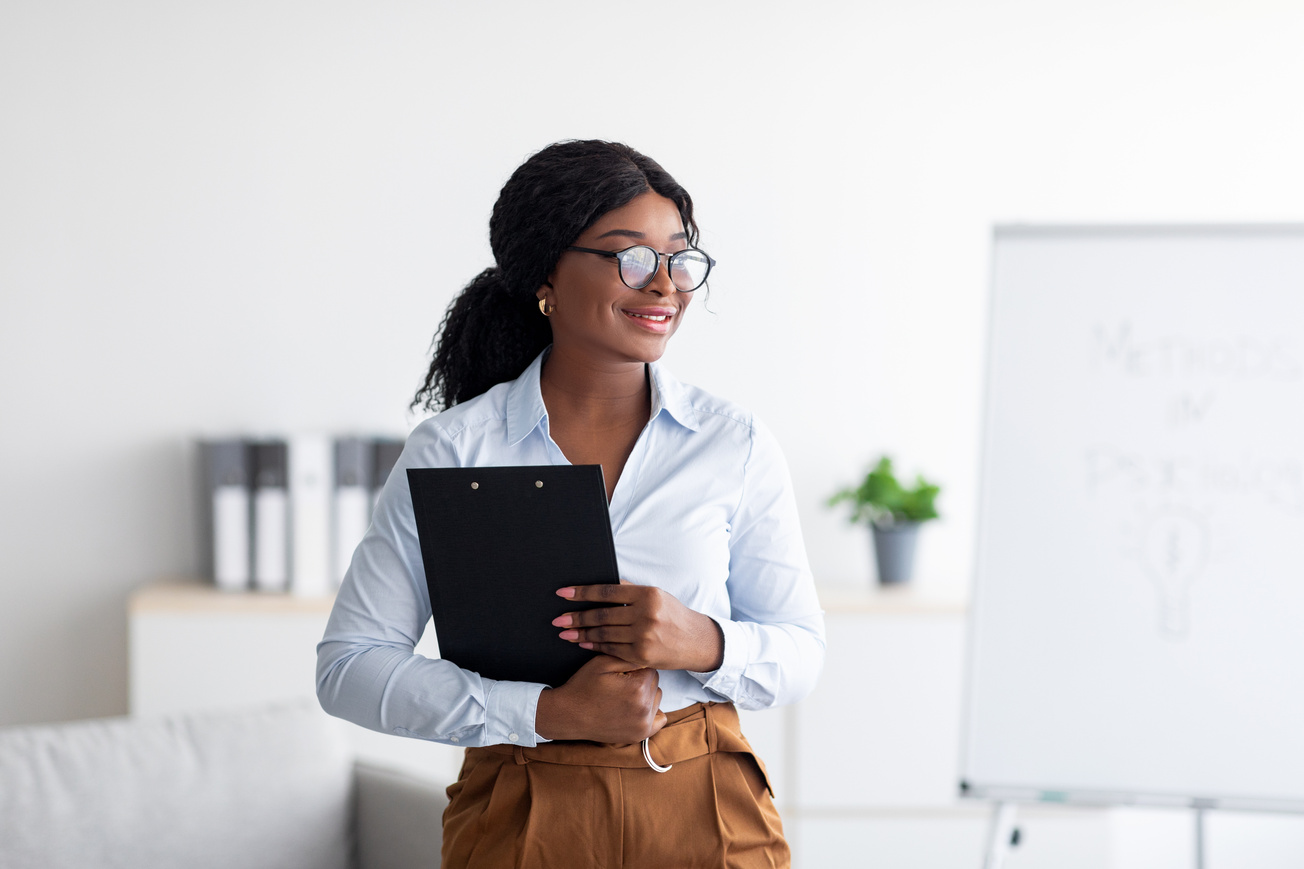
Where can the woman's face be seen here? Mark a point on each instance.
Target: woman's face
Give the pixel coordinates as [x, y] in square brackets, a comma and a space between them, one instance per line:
[595, 313]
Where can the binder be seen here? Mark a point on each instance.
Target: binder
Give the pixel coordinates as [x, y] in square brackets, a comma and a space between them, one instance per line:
[496, 544]
[312, 486]
[271, 513]
[385, 453]
[353, 465]
[225, 511]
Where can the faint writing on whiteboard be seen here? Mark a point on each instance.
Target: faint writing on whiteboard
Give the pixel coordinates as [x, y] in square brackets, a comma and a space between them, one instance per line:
[1172, 546]
[1277, 483]
[1117, 348]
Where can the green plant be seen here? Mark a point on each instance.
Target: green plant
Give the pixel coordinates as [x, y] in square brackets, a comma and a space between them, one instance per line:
[882, 500]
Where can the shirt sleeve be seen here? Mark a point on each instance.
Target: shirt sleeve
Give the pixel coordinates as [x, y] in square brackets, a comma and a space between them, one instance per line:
[774, 637]
[367, 671]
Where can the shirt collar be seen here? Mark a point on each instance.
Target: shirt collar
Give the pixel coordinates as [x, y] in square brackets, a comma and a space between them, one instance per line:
[668, 394]
[525, 409]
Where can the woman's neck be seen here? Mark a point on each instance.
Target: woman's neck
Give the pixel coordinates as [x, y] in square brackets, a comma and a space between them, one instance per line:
[595, 394]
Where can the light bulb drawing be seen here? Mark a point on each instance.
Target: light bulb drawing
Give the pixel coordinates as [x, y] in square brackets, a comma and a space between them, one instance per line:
[1174, 552]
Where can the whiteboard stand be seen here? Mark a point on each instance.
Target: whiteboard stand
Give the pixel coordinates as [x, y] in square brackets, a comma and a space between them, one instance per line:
[1200, 839]
[1002, 835]
[1199, 836]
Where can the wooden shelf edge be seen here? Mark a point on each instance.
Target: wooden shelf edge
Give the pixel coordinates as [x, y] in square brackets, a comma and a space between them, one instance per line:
[889, 600]
[196, 596]
[192, 596]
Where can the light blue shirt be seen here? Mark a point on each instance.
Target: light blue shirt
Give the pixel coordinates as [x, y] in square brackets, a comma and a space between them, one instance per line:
[703, 509]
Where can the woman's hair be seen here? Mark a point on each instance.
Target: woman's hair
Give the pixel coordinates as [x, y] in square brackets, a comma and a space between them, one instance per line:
[493, 330]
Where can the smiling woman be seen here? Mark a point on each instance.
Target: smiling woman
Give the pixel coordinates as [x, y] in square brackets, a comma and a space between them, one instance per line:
[552, 357]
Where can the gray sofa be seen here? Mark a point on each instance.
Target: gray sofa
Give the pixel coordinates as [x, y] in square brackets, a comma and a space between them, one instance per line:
[273, 787]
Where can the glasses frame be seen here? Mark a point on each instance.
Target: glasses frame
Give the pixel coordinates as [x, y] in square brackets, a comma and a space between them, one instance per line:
[669, 258]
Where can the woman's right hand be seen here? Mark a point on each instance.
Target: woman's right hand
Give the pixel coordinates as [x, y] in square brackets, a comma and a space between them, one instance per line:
[607, 700]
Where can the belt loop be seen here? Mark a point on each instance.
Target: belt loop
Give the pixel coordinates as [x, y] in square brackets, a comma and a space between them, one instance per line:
[712, 738]
[519, 754]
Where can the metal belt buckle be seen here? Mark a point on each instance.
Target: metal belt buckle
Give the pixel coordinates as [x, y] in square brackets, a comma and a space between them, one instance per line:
[647, 755]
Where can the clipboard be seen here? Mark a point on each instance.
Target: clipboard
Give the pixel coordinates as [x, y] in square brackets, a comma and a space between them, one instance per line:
[496, 544]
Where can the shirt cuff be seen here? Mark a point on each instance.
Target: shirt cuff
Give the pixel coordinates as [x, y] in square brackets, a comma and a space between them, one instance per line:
[509, 713]
[726, 678]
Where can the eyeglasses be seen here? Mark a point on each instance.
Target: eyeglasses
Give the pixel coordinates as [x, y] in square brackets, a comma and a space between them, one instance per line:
[638, 266]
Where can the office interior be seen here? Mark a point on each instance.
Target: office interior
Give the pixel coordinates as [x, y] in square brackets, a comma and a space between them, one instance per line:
[250, 218]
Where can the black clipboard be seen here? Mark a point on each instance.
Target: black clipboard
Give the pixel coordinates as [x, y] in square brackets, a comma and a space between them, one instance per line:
[496, 544]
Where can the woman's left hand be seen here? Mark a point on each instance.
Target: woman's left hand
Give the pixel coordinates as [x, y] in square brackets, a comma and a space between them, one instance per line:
[644, 625]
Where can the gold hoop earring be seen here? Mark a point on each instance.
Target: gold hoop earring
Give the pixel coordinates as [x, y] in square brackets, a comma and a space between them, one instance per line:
[544, 309]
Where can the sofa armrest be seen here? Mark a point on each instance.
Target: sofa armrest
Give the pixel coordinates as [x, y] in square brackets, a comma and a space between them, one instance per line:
[398, 818]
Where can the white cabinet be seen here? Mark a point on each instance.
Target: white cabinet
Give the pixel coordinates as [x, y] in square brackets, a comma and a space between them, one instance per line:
[882, 727]
[193, 647]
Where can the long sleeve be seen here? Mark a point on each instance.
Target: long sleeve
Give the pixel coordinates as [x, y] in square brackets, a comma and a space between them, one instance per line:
[367, 671]
[774, 637]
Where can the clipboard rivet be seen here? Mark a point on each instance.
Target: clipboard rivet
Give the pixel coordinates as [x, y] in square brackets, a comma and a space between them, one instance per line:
[538, 484]
[475, 485]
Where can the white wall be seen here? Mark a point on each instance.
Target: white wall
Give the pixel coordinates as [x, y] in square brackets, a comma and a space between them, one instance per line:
[235, 216]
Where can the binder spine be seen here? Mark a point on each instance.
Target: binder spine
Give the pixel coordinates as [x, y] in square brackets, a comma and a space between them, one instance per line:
[385, 453]
[271, 517]
[226, 468]
[353, 499]
[311, 484]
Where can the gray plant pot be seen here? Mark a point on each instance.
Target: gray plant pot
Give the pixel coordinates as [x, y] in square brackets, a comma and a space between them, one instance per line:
[894, 551]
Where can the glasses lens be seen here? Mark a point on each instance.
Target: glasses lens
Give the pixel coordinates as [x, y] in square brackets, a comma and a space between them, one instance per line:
[689, 268]
[637, 266]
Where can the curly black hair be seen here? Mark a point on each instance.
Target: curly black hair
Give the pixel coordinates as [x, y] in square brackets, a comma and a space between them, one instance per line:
[493, 330]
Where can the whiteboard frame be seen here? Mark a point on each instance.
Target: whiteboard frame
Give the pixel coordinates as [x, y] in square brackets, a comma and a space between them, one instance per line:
[1049, 793]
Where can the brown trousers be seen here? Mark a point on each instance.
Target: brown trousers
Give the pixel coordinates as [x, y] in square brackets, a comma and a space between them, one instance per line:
[583, 805]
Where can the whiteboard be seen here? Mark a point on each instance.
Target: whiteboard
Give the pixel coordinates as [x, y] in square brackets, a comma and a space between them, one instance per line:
[1137, 628]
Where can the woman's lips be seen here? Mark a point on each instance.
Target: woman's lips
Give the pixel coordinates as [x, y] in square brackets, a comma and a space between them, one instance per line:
[653, 319]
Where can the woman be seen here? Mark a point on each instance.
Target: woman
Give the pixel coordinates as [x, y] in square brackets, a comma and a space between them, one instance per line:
[547, 358]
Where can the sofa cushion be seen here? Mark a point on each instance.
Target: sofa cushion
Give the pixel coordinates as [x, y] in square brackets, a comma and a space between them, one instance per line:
[270, 787]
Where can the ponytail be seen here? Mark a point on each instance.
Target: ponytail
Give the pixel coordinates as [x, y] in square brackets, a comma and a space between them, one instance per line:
[488, 336]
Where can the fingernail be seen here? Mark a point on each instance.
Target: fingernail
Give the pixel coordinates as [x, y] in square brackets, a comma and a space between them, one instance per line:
[562, 621]
[566, 592]
[570, 635]
[586, 645]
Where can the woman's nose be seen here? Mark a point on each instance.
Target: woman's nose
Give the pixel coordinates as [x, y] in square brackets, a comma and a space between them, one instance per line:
[661, 284]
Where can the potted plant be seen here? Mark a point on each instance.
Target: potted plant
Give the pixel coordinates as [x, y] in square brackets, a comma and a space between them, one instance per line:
[894, 513]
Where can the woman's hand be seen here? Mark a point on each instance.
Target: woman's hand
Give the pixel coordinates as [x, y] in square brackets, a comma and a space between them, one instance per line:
[644, 626]
[607, 700]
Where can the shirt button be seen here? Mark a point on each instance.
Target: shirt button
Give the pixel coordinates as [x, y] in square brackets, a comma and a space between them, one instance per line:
[454, 739]
[513, 737]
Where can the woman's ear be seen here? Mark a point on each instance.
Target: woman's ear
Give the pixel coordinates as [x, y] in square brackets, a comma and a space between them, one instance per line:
[546, 290]
[545, 306]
